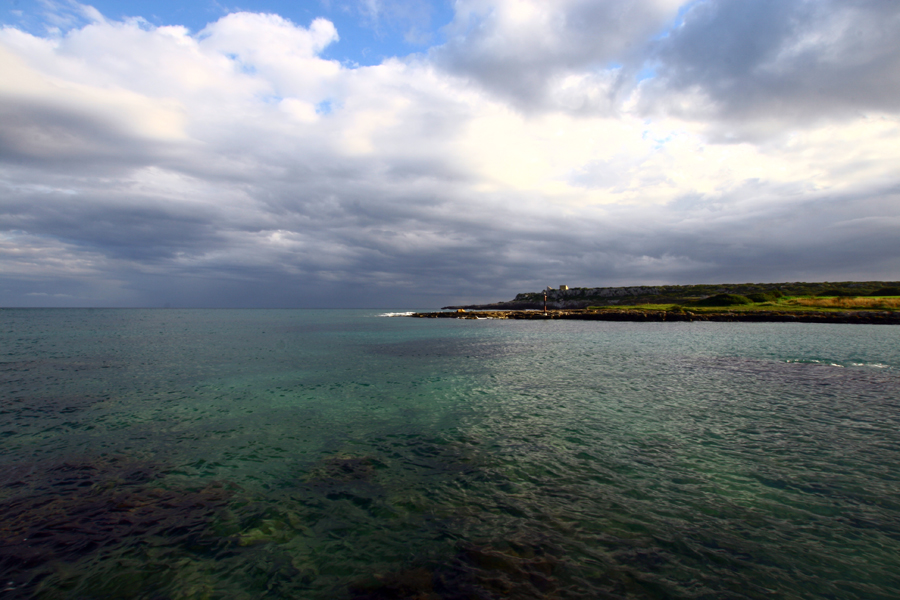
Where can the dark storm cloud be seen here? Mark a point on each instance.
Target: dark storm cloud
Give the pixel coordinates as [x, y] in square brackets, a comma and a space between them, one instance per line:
[782, 60]
[350, 256]
[145, 231]
[767, 60]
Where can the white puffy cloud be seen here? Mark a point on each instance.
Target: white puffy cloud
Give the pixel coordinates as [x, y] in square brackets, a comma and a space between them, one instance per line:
[144, 165]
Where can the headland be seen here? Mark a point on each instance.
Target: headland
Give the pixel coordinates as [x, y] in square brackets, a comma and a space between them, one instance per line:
[861, 317]
[870, 302]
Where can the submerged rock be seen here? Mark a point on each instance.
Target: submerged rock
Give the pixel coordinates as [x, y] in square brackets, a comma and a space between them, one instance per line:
[481, 572]
[60, 514]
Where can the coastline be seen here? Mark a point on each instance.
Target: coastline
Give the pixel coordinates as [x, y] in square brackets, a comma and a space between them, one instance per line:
[857, 317]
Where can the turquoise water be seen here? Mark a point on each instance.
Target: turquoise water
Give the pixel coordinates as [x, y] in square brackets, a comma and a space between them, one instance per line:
[343, 454]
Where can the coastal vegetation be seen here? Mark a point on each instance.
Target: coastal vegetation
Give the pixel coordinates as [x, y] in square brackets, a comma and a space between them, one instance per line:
[849, 295]
[725, 300]
[766, 296]
[786, 303]
[844, 303]
[887, 291]
[847, 302]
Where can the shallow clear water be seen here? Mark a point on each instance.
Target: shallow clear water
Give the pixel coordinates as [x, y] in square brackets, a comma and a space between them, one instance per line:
[340, 454]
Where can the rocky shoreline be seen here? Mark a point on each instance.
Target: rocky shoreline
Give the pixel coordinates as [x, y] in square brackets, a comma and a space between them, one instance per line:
[860, 317]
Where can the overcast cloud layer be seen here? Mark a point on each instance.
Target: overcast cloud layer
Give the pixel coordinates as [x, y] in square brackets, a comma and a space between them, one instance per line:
[580, 142]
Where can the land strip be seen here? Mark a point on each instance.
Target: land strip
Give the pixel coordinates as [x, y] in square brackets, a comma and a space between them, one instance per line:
[581, 297]
[861, 317]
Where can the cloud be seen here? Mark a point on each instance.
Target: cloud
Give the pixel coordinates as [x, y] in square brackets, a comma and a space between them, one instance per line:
[45, 118]
[778, 62]
[562, 54]
[412, 17]
[144, 165]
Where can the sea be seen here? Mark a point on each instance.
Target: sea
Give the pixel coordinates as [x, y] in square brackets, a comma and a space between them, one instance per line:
[362, 454]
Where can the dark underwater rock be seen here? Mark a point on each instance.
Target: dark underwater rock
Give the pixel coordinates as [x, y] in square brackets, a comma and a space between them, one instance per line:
[61, 513]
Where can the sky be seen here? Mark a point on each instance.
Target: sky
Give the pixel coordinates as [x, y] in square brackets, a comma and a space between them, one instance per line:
[405, 153]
